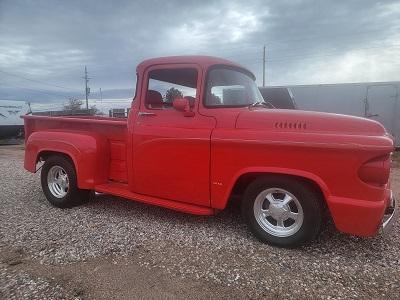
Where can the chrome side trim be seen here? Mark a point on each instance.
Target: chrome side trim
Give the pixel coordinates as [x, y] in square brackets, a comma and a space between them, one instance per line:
[145, 113]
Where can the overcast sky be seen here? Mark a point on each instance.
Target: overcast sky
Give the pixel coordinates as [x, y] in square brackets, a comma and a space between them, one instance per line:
[307, 41]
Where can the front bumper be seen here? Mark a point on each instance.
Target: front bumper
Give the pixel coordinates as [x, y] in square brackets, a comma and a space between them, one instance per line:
[391, 214]
[363, 217]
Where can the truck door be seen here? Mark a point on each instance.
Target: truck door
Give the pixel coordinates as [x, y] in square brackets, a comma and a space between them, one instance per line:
[171, 151]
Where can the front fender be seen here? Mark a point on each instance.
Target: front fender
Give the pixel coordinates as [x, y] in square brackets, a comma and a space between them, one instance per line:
[223, 194]
[87, 150]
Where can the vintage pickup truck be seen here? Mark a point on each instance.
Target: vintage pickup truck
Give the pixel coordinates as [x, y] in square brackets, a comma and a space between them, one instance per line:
[199, 132]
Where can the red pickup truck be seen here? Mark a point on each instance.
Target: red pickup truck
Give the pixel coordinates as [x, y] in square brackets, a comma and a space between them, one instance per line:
[199, 132]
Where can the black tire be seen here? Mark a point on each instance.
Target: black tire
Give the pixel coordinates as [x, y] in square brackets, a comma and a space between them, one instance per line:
[309, 199]
[74, 196]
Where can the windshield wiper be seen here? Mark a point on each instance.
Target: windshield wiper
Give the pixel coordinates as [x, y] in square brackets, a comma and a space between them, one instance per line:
[262, 103]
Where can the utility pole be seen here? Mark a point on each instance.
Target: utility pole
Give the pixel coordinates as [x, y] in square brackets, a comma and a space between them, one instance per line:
[101, 100]
[264, 66]
[87, 89]
[30, 109]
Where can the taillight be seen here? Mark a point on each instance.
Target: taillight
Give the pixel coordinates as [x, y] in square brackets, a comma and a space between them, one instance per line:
[376, 171]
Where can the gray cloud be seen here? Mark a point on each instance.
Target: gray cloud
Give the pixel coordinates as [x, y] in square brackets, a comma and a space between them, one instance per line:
[307, 41]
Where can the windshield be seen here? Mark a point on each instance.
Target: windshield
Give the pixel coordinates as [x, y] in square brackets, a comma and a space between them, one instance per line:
[231, 88]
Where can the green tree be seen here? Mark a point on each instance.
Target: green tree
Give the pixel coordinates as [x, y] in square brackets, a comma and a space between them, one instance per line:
[73, 104]
[95, 110]
[171, 94]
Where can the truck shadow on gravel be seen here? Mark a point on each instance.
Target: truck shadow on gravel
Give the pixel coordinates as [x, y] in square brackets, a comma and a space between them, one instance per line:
[159, 239]
[230, 220]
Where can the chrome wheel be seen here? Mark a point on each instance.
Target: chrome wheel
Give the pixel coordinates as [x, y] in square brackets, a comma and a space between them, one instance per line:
[278, 212]
[58, 181]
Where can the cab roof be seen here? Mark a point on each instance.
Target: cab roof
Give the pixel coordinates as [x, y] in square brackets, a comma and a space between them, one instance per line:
[203, 61]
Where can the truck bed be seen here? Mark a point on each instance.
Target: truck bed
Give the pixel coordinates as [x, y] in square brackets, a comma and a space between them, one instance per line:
[111, 131]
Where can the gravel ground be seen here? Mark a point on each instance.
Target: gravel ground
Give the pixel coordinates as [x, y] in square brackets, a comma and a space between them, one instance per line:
[111, 247]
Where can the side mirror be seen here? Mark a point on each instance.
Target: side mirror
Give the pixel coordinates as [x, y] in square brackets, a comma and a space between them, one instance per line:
[183, 104]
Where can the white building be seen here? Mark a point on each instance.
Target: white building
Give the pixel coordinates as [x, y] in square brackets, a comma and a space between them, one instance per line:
[375, 100]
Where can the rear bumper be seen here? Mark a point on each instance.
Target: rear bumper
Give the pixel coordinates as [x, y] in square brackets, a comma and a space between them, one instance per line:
[364, 218]
[391, 215]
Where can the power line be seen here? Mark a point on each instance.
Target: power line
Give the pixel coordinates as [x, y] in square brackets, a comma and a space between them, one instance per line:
[272, 42]
[283, 57]
[348, 46]
[331, 53]
[324, 35]
[264, 66]
[36, 90]
[37, 81]
[325, 54]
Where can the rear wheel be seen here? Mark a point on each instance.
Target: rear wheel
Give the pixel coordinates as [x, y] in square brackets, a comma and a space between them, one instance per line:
[282, 211]
[59, 183]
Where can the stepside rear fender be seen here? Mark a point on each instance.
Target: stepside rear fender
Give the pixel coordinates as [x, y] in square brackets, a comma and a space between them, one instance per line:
[88, 151]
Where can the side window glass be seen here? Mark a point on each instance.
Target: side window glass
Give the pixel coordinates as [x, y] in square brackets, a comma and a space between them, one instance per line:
[165, 85]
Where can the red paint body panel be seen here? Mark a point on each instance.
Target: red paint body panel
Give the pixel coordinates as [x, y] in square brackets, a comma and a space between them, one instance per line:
[118, 166]
[122, 190]
[85, 140]
[191, 164]
[171, 153]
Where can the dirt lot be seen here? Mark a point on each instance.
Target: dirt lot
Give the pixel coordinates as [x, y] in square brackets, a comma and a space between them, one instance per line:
[113, 248]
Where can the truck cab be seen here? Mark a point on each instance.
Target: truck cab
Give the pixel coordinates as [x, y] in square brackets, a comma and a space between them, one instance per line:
[199, 131]
[172, 119]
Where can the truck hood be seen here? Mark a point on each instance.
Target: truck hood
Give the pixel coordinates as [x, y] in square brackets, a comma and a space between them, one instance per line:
[307, 121]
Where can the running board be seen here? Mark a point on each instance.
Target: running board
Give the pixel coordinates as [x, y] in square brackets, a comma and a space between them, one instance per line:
[122, 190]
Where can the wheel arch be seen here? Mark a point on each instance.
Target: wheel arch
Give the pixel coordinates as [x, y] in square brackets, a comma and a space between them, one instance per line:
[43, 155]
[72, 156]
[81, 149]
[243, 179]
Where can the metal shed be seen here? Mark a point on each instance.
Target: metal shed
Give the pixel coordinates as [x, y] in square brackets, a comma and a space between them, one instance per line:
[375, 100]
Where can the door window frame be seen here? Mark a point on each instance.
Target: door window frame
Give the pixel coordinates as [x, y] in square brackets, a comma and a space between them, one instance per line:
[145, 86]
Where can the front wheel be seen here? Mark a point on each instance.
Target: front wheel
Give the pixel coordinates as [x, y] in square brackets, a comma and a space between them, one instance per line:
[282, 211]
[59, 183]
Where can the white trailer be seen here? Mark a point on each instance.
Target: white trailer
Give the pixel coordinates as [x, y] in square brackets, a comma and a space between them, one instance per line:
[11, 125]
[375, 100]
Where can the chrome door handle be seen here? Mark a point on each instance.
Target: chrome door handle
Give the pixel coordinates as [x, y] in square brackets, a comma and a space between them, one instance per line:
[146, 114]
